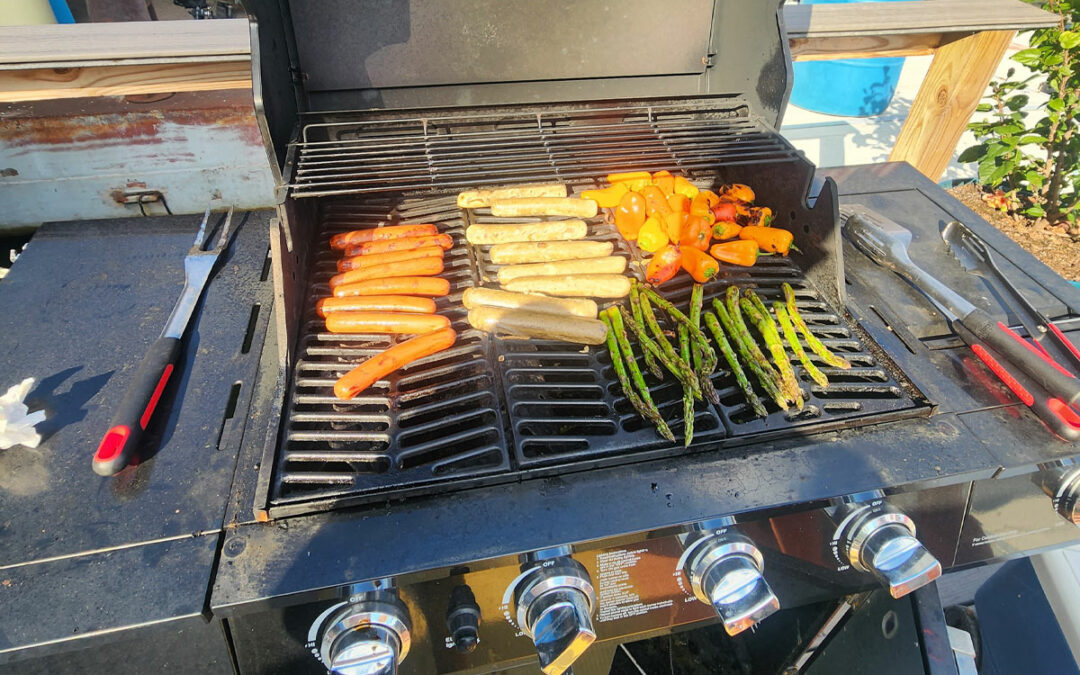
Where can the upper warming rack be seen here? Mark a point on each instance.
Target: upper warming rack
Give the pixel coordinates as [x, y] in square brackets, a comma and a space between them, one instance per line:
[360, 154]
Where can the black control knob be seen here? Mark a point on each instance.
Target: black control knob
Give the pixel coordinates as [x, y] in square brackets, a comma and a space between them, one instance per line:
[554, 602]
[463, 619]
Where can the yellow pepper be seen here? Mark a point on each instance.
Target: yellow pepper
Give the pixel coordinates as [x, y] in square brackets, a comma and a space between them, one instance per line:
[652, 237]
[635, 180]
[685, 187]
[609, 197]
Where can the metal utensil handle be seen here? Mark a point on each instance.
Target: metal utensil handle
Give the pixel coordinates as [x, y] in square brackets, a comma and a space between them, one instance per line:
[1054, 413]
[996, 334]
[137, 407]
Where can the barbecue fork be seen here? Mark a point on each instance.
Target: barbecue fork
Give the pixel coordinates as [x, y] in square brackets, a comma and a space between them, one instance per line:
[137, 407]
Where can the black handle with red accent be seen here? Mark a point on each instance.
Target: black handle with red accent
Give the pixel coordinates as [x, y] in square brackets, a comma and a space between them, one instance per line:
[137, 407]
[995, 334]
[1055, 413]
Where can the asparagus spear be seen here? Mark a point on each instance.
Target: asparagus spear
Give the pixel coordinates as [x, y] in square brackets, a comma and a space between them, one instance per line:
[750, 352]
[677, 367]
[696, 296]
[616, 322]
[661, 339]
[733, 363]
[635, 306]
[646, 411]
[688, 401]
[796, 346]
[786, 370]
[708, 358]
[815, 344]
[789, 385]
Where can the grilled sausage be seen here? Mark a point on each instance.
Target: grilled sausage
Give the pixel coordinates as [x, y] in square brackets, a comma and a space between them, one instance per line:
[473, 199]
[610, 265]
[547, 231]
[523, 323]
[544, 206]
[490, 297]
[577, 285]
[548, 251]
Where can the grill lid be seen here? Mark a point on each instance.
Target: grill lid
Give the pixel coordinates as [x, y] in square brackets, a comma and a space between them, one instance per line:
[362, 54]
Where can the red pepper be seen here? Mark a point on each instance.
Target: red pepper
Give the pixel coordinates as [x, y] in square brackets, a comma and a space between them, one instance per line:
[725, 212]
[664, 265]
[630, 215]
[699, 265]
[696, 233]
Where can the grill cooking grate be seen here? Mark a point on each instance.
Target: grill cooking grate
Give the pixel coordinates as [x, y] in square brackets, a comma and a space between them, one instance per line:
[366, 155]
[567, 405]
[437, 419]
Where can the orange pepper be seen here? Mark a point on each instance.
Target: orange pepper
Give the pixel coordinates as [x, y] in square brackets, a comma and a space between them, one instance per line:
[679, 203]
[665, 181]
[772, 239]
[655, 200]
[740, 193]
[696, 233]
[664, 265]
[630, 215]
[760, 216]
[673, 224]
[741, 252]
[652, 237]
[725, 230]
[699, 264]
[725, 211]
[703, 202]
[609, 197]
[635, 180]
[685, 187]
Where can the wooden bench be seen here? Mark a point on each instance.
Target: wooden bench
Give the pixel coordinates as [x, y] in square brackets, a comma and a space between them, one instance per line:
[968, 39]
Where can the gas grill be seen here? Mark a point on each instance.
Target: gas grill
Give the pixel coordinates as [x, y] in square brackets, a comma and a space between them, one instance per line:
[500, 502]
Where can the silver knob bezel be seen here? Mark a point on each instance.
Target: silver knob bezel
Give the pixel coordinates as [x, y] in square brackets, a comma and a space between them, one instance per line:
[866, 528]
[368, 613]
[700, 562]
[539, 585]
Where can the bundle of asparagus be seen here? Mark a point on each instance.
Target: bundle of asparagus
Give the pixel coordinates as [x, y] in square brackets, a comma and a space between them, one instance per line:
[695, 362]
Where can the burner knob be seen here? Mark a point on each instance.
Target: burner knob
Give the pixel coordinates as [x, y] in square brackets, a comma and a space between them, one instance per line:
[367, 637]
[725, 571]
[554, 603]
[463, 619]
[1063, 486]
[881, 540]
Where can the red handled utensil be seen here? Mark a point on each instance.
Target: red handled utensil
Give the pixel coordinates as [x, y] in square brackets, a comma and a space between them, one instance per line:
[137, 407]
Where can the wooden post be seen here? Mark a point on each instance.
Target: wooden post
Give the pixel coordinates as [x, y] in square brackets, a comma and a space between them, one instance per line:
[953, 86]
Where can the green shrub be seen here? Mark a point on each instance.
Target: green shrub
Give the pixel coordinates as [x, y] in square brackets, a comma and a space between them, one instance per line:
[1036, 165]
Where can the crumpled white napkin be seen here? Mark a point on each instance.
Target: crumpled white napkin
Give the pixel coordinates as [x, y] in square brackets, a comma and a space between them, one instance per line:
[16, 426]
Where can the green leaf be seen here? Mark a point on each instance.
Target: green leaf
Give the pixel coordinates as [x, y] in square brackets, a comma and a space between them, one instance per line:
[986, 168]
[1035, 211]
[1069, 39]
[1056, 104]
[1034, 178]
[1017, 102]
[994, 179]
[1027, 57]
[984, 107]
[973, 154]
[1034, 138]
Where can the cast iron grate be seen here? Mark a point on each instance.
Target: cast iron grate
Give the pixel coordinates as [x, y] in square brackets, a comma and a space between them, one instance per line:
[566, 405]
[437, 419]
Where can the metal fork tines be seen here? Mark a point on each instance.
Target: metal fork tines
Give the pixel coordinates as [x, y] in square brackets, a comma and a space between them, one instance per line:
[197, 267]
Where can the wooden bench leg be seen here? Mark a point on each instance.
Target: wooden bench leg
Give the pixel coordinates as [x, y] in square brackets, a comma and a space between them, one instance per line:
[953, 86]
